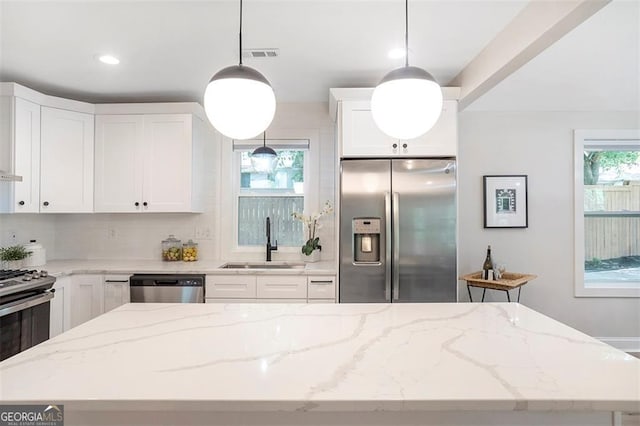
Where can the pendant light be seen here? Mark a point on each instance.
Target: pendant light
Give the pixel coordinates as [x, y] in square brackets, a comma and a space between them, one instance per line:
[264, 158]
[408, 101]
[239, 101]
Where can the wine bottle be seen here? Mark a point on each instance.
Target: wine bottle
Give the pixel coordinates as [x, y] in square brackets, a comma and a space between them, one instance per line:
[487, 266]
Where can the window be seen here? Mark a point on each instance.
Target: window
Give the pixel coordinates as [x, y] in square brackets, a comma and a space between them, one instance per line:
[276, 195]
[607, 209]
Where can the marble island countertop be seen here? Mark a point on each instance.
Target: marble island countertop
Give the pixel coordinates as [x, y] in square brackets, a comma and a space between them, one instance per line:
[68, 267]
[315, 358]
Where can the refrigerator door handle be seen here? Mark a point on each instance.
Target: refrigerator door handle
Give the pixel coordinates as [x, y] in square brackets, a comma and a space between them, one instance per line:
[387, 259]
[396, 246]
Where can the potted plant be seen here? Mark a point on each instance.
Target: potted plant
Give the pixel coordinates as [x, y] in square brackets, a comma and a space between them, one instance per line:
[298, 184]
[12, 257]
[311, 248]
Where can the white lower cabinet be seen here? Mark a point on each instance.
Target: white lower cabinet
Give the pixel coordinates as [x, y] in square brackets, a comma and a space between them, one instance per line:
[281, 287]
[322, 288]
[116, 291]
[243, 288]
[213, 300]
[60, 307]
[79, 298]
[86, 298]
[230, 287]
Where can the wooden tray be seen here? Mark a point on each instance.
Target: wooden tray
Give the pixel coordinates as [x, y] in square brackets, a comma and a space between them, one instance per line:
[508, 281]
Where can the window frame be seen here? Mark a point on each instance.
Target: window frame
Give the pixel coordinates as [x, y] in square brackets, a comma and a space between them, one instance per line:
[584, 139]
[310, 189]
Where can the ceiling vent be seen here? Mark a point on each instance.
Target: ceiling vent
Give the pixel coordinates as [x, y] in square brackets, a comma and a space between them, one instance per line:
[260, 53]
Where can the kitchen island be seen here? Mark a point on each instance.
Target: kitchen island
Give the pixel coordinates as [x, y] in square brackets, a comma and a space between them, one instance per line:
[339, 364]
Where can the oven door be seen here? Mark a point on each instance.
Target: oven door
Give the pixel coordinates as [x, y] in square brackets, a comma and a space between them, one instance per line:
[24, 323]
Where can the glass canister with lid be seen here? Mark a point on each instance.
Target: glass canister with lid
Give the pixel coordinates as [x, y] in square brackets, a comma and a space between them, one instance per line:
[171, 249]
[190, 251]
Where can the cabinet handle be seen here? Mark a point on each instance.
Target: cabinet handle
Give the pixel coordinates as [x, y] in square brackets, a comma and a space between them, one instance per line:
[137, 204]
[144, 204]
[404, 145]
[322, 282]
[395, 145]
[21, 203]
[46, 203]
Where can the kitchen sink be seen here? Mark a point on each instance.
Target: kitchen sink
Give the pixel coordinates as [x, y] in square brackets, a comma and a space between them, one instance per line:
[248, 265]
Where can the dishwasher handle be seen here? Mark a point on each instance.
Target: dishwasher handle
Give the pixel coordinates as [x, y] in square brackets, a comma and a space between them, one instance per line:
[169, 280]
[166, 282]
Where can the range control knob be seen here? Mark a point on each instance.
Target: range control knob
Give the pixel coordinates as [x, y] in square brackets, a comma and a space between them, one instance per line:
[26, 277]
[44, 274]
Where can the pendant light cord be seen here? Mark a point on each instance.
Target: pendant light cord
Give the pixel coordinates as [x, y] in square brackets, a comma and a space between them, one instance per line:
[240, 35]
[406, 33]
[264, 139]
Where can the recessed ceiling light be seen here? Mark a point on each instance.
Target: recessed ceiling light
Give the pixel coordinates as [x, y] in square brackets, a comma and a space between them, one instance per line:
[109, 59]
[396, 53]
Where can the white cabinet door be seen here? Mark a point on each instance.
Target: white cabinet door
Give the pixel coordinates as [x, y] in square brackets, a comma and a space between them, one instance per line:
[281, 287]
[116, 291]
[118, 163]
[66, 166]
[442, 139]
[20, 155]
[167, 161]
[322, 287]
[60, 318]
[86, 298]
[361, 137]
[230, 287]
[27, 156]
[148, 163]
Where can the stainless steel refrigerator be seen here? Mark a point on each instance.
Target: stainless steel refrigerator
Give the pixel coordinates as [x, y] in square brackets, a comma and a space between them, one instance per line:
[398, 230]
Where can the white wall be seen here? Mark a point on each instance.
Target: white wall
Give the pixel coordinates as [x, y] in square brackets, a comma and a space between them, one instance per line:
[25, 227]
[540, 145]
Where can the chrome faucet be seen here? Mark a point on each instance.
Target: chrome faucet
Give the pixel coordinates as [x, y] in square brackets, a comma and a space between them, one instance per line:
[270, 248]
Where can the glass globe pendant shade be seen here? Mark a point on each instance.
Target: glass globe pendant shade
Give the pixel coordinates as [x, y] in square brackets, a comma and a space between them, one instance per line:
[407, 103]
[264, 159]
[239, 102]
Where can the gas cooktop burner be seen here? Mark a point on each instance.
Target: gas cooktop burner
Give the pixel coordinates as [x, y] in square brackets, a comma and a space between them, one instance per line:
[19, 280]
[6, 274]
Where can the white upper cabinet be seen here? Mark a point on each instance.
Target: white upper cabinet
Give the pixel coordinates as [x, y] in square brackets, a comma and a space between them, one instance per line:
[21, 155]
[148, 163]
[66, 165]
[361, 137]
[118, 162]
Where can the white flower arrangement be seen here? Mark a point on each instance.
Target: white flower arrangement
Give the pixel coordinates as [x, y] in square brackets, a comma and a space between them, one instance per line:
[311, 226]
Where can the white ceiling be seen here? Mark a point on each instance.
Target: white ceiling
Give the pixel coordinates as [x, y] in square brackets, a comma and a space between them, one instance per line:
[595, 67]
[170, 49]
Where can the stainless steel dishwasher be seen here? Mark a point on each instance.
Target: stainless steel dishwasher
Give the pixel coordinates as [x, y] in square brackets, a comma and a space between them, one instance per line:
[167, 288]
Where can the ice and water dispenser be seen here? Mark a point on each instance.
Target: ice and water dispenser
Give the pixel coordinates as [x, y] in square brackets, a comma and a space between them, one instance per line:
[366, 240]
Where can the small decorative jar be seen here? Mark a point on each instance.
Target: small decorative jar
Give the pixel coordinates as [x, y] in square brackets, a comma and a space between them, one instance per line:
[171, 249]
[190, 251]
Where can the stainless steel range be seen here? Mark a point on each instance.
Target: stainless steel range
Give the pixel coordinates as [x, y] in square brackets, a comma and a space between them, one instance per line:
[25, 296]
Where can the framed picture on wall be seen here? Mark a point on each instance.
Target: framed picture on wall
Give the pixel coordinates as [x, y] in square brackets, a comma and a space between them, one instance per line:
[505, 201]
